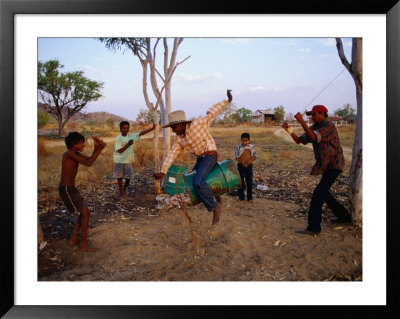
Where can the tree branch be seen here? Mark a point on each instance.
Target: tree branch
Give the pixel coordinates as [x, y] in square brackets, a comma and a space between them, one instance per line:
[342, 57]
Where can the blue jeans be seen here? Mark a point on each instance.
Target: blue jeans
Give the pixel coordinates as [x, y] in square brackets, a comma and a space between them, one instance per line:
[203, 167]
[320, 195]
[246, 173]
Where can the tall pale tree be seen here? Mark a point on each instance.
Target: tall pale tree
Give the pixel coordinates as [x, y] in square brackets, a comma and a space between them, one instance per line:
[355, 70]
[170, 65]
[146, 53]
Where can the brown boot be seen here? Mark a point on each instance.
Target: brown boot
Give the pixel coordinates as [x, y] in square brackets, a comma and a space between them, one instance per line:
[217, 211]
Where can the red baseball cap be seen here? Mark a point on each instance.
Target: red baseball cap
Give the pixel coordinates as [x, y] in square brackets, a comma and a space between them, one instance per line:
[317, 108]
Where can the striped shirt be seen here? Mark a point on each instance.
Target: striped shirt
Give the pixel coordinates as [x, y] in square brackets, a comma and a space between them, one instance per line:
[240, 148]
[196, 138]
[327, 150]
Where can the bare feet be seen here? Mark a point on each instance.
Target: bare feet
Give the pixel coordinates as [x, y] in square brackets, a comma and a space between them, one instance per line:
[73, 241]
[85, 247]
[217, 211]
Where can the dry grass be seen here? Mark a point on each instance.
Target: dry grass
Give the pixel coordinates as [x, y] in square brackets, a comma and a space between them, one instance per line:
[41, 147]
[346, 135]
[271, 150]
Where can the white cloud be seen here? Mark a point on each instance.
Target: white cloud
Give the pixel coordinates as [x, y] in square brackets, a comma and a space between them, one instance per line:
[291, 42]
[217, 75]
[261, 88]
[347, 42]
[236, 41]
[189, 77]
[99, 59]
[306, 50]
[93, 70]
[327, 41]
[197, 77]
[258, 88]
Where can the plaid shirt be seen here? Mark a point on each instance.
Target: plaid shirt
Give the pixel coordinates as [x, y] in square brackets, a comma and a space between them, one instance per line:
[196, 139]
[327, 150]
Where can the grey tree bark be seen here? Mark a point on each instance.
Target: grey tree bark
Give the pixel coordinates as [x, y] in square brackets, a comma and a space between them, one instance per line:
[355, 70]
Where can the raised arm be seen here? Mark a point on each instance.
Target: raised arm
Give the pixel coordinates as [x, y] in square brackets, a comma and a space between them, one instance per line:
[289, 129]
[312, 137]
[148, 130]
[88, 160]
[217, 108]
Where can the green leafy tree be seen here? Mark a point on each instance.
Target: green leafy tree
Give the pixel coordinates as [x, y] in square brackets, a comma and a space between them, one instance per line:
[279, 113]
[65, 94]
[345, 112]
[110, 122]
[43, 118]
[241, 115]
[225, 116]
[91, 122]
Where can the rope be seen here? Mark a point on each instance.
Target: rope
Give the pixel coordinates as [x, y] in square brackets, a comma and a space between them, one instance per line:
[325, 88]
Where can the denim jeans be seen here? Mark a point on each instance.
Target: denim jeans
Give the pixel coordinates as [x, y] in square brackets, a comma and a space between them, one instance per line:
[203, 167]
[246, 173]
[320, 195]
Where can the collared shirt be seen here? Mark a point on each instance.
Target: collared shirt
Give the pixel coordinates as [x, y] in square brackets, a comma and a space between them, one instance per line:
[240, 148]
[327, 149]
[128, 155]
[196, 139]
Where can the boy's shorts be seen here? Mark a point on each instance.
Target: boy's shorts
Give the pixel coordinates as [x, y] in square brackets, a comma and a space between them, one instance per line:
[123, 170]
[72, 198]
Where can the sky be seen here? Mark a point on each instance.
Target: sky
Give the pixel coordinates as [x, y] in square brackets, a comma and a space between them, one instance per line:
[262, 73]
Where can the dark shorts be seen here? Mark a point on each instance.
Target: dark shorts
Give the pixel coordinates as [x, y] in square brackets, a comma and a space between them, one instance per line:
[72, 198]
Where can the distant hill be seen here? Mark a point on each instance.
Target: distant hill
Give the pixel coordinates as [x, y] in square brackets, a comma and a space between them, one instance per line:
[99, 117]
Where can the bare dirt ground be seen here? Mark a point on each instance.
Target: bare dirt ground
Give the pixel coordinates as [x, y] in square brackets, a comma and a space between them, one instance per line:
[252, 242]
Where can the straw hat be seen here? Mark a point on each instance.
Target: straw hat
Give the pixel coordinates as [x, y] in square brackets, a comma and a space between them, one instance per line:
[176, 117]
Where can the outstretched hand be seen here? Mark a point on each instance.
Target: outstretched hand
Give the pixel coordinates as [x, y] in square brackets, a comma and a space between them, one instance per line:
[228, 93]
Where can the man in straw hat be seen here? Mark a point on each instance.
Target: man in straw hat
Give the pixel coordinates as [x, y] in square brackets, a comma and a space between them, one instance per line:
[329, 163]
[195, 138]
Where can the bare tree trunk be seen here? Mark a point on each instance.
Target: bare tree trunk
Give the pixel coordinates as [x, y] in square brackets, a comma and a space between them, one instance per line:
[167, 131]
[355, 69]
[153, 111]
[155, 142]
[169, 69]
[60, 127]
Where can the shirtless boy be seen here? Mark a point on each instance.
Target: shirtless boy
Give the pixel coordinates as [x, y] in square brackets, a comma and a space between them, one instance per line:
[71, 197]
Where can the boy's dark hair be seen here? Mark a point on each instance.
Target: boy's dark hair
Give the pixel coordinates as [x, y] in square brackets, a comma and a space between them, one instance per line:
[73, 138]
[246, 135]
[123, 123]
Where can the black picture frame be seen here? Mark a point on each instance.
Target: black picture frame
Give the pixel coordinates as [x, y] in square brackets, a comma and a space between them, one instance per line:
[8, 9]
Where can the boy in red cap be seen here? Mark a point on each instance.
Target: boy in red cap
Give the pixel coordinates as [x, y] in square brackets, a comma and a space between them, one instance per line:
[329, 162]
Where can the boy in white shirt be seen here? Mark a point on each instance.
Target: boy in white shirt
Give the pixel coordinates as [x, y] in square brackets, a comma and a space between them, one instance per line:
[124, 156]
